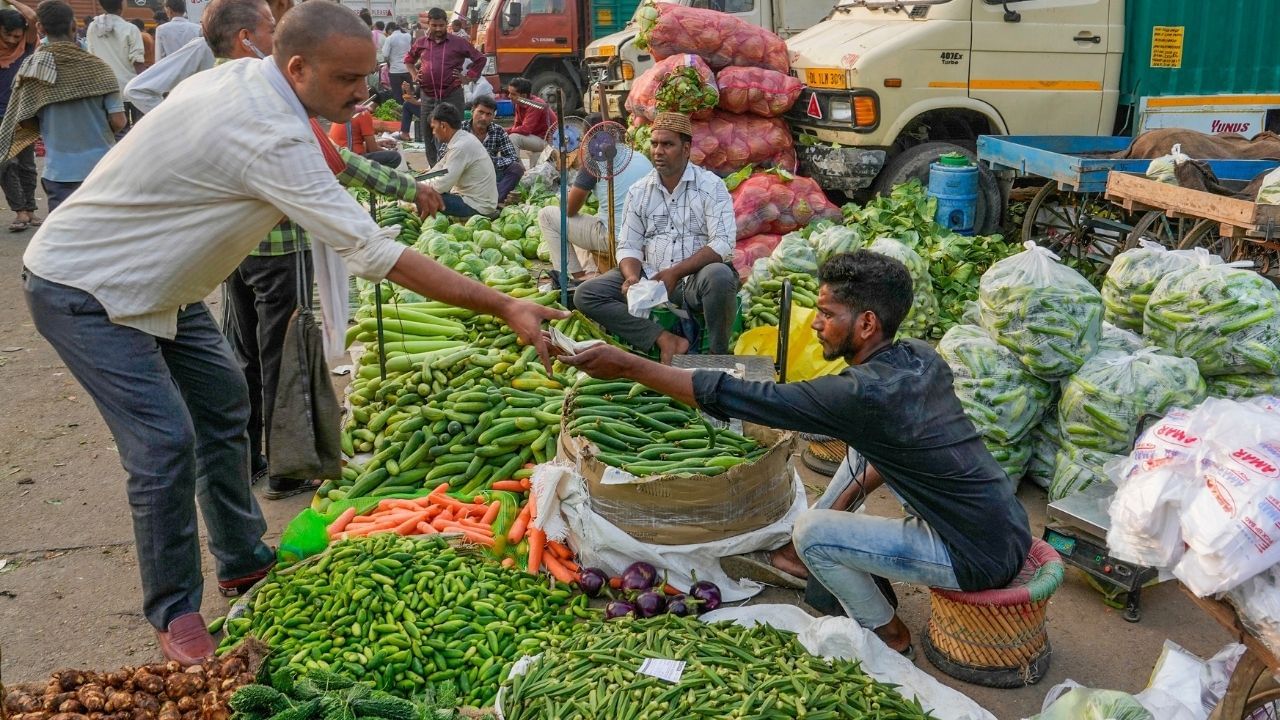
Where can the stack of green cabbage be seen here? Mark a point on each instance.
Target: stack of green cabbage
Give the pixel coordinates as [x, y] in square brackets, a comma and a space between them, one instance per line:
[1226, 319]
[1103, 404]
[924, 306]
[1135, 273]
[1045, 312]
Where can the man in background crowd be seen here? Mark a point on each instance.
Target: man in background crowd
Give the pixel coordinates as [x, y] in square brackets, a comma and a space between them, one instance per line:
[357, 135]
[435, 61]
[118, 43]
[148, 43]
[68, 97]
[469, 185]
[178, 31]
[506, 161]
[394, 48]
[534, 117]
[18, 175]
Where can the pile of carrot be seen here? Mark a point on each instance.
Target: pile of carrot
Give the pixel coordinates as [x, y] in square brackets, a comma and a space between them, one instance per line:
[440, 513]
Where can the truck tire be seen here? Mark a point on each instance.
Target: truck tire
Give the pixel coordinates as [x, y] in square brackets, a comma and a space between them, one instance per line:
[914, 163]
[545, 82]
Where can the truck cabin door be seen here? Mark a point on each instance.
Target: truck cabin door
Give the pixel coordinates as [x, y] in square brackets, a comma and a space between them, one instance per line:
[1043, 65]
[539, 28]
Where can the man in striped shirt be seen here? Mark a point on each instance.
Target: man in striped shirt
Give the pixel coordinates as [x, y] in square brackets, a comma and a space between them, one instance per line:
[678, 228]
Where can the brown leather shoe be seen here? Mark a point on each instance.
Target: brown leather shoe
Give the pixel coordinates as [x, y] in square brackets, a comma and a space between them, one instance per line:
[187, 640]
[238, 586]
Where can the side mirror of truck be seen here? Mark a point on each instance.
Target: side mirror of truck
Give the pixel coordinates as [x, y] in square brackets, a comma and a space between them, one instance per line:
[473, 17]
[1010, 16]
[513, 13]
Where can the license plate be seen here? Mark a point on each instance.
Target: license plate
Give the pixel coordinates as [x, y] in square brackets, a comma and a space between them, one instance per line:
[824, 78]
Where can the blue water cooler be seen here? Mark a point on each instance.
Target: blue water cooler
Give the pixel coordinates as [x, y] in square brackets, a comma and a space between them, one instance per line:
[953, 180]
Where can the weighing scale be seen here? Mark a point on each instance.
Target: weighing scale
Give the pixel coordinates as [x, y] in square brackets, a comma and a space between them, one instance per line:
[1078, 530]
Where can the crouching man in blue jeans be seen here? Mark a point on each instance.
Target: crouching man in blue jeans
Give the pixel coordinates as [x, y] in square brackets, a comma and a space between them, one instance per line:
[896, 408]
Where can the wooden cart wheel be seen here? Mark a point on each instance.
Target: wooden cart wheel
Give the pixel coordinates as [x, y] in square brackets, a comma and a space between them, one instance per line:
[1265, 254]
[1073, 225]
[1171, 233]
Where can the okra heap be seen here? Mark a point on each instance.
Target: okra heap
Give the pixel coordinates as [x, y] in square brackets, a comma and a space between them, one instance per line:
[730, 672]
[645, 433]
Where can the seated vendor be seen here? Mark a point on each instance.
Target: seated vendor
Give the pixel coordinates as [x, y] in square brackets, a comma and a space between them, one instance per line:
[357, 135]
[589, 233]
[469, 185]
[506, 161]
[678, 228]
[896, 408]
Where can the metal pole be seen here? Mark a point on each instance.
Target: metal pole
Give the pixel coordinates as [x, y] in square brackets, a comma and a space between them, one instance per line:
[377, 302]
[564, 201]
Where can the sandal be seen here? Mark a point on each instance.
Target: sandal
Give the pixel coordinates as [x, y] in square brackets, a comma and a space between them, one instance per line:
[34, 221]
[18, 226]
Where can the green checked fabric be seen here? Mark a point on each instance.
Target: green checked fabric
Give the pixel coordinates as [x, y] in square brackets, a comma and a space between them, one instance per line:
[361, 172]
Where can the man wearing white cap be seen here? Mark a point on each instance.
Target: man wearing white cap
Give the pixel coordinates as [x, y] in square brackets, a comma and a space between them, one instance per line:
[677, 228]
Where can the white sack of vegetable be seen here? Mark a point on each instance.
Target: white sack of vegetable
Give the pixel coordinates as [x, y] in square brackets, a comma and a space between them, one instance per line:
[1135, 273]
[1103, 403]
[793, 254]
[1077, 468]
[1225, 318]
[1243, 386]
[1269, 192]
[924, 306]
[834, 240]
[1115, 339]
[1045, 312]
[1044, 440]
[1011, 457]
[1003, 400]
[1164, 168]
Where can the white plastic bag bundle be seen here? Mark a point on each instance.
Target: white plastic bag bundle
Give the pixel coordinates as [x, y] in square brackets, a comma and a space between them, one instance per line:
[1225, 318]
[1103, 403]
[1012, 457]
[644, 296]
[1243, 386]
[1045, 440]
[1116, 339]
[1152, 485]
[1076, 469]
[1232, 523]
[1081, 703]
[1134, 274]
[793, 255]
[1002, 399]
[923, 315]
[1045, 312]
[1257, 601]
[1164, 168]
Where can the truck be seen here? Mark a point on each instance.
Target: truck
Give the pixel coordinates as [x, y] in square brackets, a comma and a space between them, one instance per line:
[613, 61]
[543, 40]
[893, 84]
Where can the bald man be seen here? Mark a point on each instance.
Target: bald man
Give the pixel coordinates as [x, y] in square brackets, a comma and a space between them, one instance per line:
[115, 281]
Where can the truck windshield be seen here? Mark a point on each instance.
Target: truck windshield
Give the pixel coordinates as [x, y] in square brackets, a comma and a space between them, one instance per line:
[887, 4]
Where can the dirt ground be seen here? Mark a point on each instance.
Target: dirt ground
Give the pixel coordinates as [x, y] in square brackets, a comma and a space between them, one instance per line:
[69, 588]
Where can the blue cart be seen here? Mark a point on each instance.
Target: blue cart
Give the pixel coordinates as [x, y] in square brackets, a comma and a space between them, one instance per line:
[1071, 215]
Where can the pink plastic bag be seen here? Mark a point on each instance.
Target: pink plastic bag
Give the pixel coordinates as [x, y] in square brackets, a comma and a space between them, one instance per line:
[722, 40]
[750, 249]
[767, 93]
[670, 86]
[769, 203]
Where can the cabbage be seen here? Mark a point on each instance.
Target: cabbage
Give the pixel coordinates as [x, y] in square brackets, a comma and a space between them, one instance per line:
[1081, 703]
[1226, 319]
[835, 239]
[1103, 404]
[1045, 312]
[924, 306]
[1003, 400]
[793, 255]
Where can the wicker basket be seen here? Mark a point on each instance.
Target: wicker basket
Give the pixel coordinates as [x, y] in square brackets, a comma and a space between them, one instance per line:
[996, 638]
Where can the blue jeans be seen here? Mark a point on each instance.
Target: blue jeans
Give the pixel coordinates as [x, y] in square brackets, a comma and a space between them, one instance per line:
[843, 550]
[455, 207]
[178, 410]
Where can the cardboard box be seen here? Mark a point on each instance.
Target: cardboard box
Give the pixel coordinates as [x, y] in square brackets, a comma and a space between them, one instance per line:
[671, 510]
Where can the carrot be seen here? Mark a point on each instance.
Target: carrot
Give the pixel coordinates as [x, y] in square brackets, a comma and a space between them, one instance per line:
[669, 589]
[537, 543]
[342, 522]
[508, 562]
[424, 528]
[533, 505]
[510, 485]
[479, 500]
[558, 570]
[559, 550]
[529, 466]
[492, 513]
[520, 525]
[441, 489]
[410, 524]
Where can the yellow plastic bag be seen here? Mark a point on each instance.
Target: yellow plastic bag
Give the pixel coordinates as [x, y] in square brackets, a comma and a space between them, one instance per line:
[804, 354]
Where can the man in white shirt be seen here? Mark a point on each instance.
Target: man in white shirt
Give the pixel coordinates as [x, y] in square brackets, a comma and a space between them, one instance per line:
[394, 48]
[116, 41]
[232, 29]
[470, 184]
[177, 32]
[136, 333]
[678, 228]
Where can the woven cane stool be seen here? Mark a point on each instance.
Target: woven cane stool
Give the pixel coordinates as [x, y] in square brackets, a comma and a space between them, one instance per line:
[823, 454]
[998, 637]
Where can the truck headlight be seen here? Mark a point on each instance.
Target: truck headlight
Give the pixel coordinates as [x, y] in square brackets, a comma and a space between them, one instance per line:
[490, 65]
[841, 111]
[628, 71]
